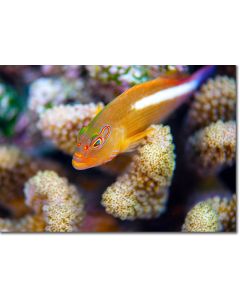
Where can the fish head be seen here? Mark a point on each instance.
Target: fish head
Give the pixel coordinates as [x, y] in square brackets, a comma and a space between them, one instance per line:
[95, 147]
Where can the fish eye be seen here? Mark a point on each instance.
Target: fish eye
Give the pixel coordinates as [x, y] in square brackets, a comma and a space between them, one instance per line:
[97, 143]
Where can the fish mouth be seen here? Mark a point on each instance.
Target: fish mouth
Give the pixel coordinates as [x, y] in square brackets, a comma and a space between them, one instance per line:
[82, 163]
[79, 165]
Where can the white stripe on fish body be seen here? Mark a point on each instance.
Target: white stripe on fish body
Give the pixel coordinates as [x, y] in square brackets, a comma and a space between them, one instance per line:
[168, 94]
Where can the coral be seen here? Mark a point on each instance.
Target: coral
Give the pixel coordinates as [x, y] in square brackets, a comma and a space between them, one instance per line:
[62, 123]
[212, 215]
[57, 206]
[213, 148]
[141, 192]
[201, 218]
[108, 81]
[16, 167]
[10, 108]
[29, 223]
[60, 202]
[46, 92]
[72, 71]
[227, 209]
[215, 101]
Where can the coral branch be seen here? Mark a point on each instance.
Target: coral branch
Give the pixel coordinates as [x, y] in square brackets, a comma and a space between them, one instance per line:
[59, 201]
[56, 205]
[213, 148]
[212, 215]
[215, 101]
[16, 167]
[62, 123]
[142, 191]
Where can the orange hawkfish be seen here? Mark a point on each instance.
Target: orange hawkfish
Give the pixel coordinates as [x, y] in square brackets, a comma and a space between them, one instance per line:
[125, 121]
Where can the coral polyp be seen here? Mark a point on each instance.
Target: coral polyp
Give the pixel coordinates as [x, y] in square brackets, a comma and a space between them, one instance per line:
[142, 191]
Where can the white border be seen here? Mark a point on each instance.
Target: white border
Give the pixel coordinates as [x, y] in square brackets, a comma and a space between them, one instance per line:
[123, 266]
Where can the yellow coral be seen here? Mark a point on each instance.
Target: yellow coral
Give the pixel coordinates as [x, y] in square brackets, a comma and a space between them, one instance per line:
[201, 218]
[60, 202]
[62, 123]
[215, 101]
[29, 223]
[227, 210]
[56, 206]
[213, 147]
[212, 215]
[142, 191]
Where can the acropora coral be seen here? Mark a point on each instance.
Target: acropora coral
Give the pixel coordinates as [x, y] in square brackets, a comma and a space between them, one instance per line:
[212, 215]
[57, 206]
[10, 107]
[47, 92]
[141, 192]
[216, 100]
[213, 148]
[62, 123]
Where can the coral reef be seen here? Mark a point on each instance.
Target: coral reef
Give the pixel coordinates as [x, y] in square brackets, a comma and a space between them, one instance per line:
[141, 192]
[212, 215]
[47, 92]
[56, 204]
[215, 101]
[62, 123]
[213, 148]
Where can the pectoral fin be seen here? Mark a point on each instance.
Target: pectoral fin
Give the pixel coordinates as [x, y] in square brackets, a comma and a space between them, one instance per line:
[134, 141]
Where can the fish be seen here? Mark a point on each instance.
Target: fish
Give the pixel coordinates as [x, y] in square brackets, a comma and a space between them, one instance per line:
[123, 124]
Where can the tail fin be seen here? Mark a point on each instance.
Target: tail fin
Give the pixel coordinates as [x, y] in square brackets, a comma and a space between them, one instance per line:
[202, 75]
